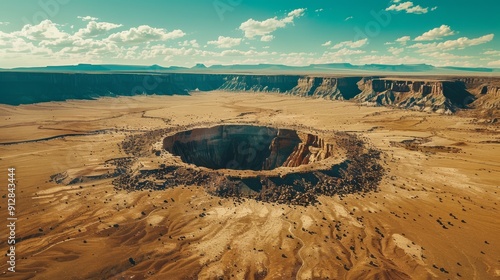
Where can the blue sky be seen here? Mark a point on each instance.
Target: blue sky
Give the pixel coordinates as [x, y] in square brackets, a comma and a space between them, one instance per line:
[293, 32]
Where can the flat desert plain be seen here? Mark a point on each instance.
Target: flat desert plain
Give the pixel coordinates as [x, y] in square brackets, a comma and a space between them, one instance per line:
[435, 214]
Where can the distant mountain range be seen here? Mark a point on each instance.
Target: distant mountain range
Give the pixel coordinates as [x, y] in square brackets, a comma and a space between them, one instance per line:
[266, 68]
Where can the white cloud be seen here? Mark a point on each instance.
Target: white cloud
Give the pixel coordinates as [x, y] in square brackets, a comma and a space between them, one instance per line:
[296, 13]
[159, 51]
[19, 45]
[494, 63]
[351, 44]
[4, 37]
[408, 7]
[319, 10]
[145, 33]
[403, 40]
[60, 43]
[395, 51]
[434, 8]
[388, 59]
[162, 51]
[87, 18]
[191, 43]
[74, 46]
[459, 43]
[436, 33]
[326, 44]
[343, 52]
[445, 55]
[295, 58]
[239, 53]
[348, 18]
[96, 28]
[349, 52]
[46, 29]
[4, 23]
[253, 28]
[342, 55]
[495, 53]
[267, 38]
[46, 44]
[225, 42]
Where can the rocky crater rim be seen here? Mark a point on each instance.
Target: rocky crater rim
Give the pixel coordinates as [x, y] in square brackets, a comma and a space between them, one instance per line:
[254, 149]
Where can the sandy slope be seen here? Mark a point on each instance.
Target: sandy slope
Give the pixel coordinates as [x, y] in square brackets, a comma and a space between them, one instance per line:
[435, 216]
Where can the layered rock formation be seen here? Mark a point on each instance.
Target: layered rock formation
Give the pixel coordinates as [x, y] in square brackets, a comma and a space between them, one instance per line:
[486, 91]
[417, 95]
[259, 83]
[313, 148]
[331, 88]
[444, 96]
[247, 147]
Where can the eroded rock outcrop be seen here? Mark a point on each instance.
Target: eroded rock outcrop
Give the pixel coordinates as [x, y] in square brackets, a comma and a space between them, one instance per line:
[441, 96]
[486, 92]
[312, 149]
[259, 83]
[327, 87]
[416, 95]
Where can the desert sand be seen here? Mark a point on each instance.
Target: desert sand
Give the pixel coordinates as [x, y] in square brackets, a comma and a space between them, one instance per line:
[434, 215]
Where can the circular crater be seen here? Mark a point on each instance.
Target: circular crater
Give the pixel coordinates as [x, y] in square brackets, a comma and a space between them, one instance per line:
[246, 147]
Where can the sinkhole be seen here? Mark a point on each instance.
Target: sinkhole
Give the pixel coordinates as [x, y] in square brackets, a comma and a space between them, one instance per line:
[247, 147]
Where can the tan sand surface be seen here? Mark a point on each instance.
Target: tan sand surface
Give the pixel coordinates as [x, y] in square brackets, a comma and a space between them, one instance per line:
[435, 216]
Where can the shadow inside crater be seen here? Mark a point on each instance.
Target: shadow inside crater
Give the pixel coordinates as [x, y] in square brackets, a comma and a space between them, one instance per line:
[245, 147]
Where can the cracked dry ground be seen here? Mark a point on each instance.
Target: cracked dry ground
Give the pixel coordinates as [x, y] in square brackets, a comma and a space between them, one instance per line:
[434, 215]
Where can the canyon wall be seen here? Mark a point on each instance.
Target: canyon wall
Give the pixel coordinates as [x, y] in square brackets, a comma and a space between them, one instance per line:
[229, 146]
[259, 83]
[247, 147]
[312, 148]
[26, 88]
[437, 96]
[486, 91]
[443, 96]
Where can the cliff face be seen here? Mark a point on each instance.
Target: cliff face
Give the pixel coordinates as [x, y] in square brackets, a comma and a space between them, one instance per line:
[326, 87]
[247, 147]
[317, 87]
[233, 146]
[259, 83]
[486, 91]
[488, 98]
[25, 88]
[417, 94]
[311, 149]
[423, 95]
